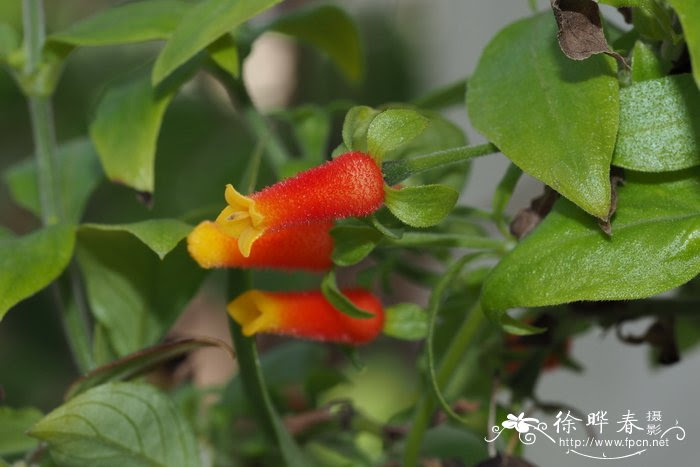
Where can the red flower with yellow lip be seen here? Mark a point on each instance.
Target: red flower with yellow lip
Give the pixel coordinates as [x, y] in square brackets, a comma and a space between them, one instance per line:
[350, 185]
[307, 315]
[299, 247]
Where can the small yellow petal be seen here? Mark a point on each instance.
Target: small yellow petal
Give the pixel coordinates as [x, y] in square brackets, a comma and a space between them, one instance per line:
[247, 238]
[255, 312]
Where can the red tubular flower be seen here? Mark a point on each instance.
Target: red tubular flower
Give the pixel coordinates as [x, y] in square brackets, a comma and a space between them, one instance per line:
[307, 315]
[350, 185]
[298, 247]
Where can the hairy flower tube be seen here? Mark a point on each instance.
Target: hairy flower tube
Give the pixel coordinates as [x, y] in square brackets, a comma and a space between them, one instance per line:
[350, 185]
[298, 247]
[307, 315]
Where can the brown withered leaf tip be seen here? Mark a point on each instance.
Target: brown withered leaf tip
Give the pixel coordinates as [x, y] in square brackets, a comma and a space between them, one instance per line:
[580, 30]
[529, 218]
[616, 179]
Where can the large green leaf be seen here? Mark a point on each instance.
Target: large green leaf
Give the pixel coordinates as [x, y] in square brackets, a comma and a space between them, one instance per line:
[553, 117]
[654, 247]
[13, 425]
[659, 125]
[79, 171]
[131, 22]
[330, 29]
[689, 15]
[119, 424]
[132, 293]
[125, 131]
[160, 235]
[30, 263]
[421, 206]
[204, 24]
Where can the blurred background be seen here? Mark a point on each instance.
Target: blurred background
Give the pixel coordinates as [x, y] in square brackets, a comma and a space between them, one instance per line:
[412, 47]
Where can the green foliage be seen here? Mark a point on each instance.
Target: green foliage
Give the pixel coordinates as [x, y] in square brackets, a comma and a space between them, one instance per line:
[9, 41]
[339, 301]
[659, 125]
[204, 24]
[13, 425]
[689, 14]
[406, 321]
[645, 65]
[352, 243]
[31, 262]
[392, 129]
[329, 28]
[79, 174]
[225, 54]
[119, 423]
[355, 127]
[131, 292]
[421, 206]
[553, 117]
[653, 248]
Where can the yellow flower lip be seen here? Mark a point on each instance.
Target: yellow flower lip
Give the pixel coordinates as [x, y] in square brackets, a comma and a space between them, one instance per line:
[255, 312]
[241, 220]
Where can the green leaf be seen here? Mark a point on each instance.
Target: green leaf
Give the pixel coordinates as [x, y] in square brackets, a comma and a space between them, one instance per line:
[645, 64]
[392, 129]
[355, 127]
[352, 243]
[225, 54]
[339, 301]
[654, 247]
[9, 41]
[141, 362]
[555, 118]
[132, 293]
[79, 171]
[329, 28]
[125, 132]
[406, 321]
[204, 24]
[119, 424]
[13, 425]
[160, 235]
[124, 24]
[421, 206]
[659, 125]
[30, 263]
[689, 15]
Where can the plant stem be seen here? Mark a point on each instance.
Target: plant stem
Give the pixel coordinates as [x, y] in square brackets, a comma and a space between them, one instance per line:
[399, 170]
[74, 315]
[426, 406]
[447, 96]
[253, 381]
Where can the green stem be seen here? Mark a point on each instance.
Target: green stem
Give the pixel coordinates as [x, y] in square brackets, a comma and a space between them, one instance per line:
[452, 94]
[426, 406]
[74, 315]
[399, 170]
[253, 381]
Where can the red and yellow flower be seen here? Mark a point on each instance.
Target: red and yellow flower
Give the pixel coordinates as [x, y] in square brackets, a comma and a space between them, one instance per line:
[307, 315]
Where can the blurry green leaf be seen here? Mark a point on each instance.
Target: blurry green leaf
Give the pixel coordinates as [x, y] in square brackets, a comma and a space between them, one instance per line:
[553, 117]
[421, 206]
[119, 424]
[204, 24]
[140, 362]
[160, 235]
[125, 131]
[659, 125]
[329, 28]
[31, 262]
[448, 96]
[132, 293]
[518, 328]
[449, 442]
[689, 14]
[645, 64]
[355, 127]
[9, 41]
[406, 321]
[79, 171]
[352, 243]
[393, 128]
[13, 425]
[448, 240]
[225, 53]
[339, 301]
[504, 190]
[312, 126]
[654, 247]
[123, 24]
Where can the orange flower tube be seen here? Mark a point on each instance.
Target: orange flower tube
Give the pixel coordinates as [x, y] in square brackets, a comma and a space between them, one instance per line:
[350, 185]
[299, 247]
[307, 315]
